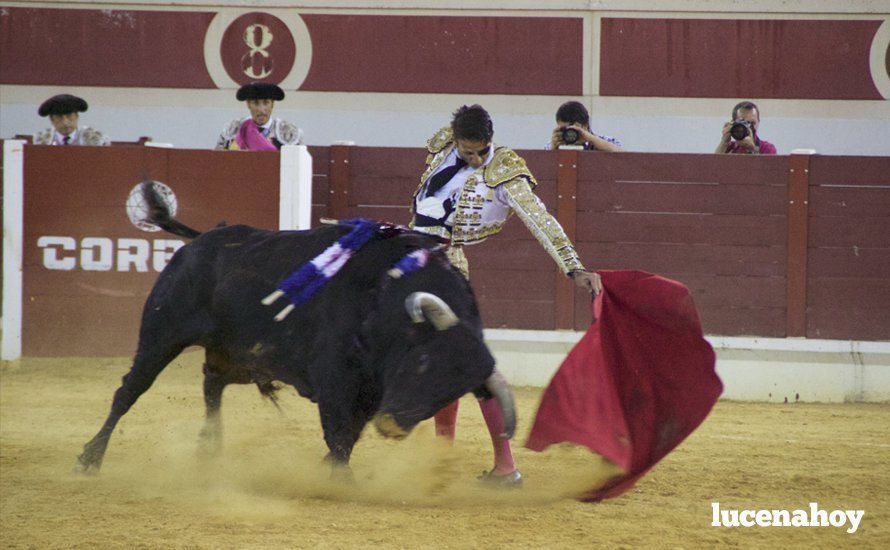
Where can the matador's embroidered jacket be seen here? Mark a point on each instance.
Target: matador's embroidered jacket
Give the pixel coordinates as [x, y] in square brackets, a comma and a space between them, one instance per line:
[84, 136]
[490, 195]
[281, 132]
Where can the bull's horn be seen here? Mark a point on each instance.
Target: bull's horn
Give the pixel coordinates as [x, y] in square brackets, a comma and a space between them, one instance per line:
[497, 385]
[423, 305]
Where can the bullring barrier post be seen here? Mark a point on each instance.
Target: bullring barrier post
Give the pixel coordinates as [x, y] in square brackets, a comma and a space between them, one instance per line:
[566, 215]
[13, 197]
[339, 174]
[295, 188]
[798, 212]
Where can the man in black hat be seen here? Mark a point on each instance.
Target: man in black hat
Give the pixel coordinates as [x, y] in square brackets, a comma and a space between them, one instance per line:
[259, 131]
[63, 112]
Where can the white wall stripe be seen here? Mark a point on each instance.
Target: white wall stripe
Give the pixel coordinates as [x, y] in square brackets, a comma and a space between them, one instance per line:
[13, 205]
[719, 342]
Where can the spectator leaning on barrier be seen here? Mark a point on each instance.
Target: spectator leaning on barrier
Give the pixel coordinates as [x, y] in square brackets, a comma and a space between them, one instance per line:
[259, 131]
[740, 134]
[469, 189]
[64, 113]
[573, 128]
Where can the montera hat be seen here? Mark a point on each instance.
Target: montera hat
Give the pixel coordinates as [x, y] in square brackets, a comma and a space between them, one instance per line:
[260, 90]
[62, 104]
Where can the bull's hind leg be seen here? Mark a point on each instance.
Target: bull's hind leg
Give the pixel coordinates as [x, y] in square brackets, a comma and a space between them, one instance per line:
[218, 374]
[146, 367]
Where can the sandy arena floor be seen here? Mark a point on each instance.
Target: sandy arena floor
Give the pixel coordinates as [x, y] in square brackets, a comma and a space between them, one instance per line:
[269, 489]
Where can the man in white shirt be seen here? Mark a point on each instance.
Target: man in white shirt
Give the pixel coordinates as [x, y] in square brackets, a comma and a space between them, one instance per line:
[259, 131]
[64, 111]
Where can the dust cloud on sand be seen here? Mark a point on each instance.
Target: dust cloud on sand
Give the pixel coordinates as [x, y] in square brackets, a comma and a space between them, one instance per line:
[270, 489]
[275, 454]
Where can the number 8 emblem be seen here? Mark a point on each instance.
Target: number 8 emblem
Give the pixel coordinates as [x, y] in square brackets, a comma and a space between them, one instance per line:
[242, 46]
[258, 39]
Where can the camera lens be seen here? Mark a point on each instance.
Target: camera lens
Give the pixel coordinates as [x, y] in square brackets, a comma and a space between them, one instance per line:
[739, 131]
[570, 136]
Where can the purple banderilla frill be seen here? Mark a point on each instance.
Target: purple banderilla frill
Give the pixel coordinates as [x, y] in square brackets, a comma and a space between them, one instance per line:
[410, 263]
[303, 283]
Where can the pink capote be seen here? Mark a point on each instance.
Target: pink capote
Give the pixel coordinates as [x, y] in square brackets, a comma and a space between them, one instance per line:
[250, 138]
[637, 384]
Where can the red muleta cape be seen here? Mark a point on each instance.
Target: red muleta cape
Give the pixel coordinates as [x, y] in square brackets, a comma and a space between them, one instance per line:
[637, 384]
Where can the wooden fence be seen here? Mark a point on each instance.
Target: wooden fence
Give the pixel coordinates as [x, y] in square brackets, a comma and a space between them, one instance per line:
[771, 246]
[774, 246]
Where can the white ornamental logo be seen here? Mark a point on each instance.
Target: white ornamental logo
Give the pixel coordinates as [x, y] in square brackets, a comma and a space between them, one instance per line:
[258, 38]
[137, 208]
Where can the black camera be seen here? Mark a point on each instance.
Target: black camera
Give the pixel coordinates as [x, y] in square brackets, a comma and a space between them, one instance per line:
[740, 129]
[570, 135]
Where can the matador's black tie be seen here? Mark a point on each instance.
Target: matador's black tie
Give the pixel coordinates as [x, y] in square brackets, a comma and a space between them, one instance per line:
[444, 176]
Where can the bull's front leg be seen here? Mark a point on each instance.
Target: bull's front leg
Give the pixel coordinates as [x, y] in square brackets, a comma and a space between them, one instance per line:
[342, 419]
[342, 429]
[216, 377]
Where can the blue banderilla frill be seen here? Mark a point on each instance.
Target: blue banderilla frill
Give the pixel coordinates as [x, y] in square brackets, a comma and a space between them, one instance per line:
[306, 281]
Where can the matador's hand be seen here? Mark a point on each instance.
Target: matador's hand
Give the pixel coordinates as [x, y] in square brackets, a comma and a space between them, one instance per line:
[589, 281]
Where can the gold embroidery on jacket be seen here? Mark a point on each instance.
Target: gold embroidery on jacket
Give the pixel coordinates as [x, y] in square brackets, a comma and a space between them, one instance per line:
[505, 166]
[542, 225]
[509, 170]
[44, 138]
[455, 255]
[439, 141]
[91, 136]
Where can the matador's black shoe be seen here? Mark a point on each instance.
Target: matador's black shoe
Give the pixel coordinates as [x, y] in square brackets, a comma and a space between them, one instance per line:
[513, 480]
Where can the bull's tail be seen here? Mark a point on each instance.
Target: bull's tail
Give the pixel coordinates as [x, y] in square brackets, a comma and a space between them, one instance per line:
[159, 213]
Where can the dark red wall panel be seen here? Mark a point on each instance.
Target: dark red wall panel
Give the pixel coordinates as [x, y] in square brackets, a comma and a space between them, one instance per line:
[713, 222]
[737, 58]
[850, 171]
[432, 54]
[849, 248]
[103, 48]
[350, 53]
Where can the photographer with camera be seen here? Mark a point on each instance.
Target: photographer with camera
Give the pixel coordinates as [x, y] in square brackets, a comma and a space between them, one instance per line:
[740, 134]
[573, 128]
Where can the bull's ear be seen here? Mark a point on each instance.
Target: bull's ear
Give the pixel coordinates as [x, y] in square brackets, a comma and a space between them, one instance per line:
[423, 306]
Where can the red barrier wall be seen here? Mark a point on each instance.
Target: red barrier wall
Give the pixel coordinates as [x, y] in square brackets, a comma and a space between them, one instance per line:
[727, 226]
[721, 224]
[716, 223]
[78, 193]
[848, 264]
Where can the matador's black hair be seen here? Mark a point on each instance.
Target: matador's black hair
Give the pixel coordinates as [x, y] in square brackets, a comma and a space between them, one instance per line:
[472, 123]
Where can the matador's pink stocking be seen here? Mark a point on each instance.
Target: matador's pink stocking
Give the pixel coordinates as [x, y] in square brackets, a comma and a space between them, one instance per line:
[494, 419]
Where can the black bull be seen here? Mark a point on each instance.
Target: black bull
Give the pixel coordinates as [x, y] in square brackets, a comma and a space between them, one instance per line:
[366, 347]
